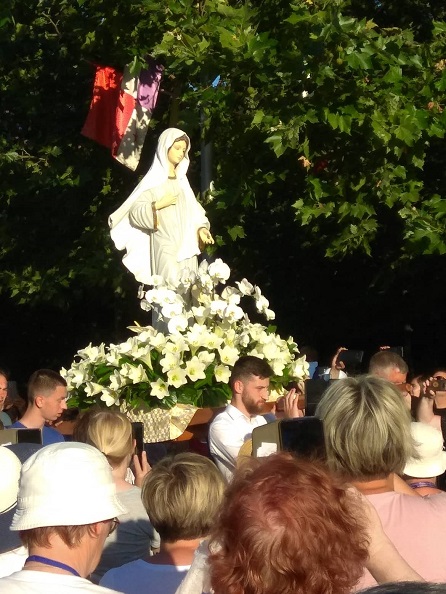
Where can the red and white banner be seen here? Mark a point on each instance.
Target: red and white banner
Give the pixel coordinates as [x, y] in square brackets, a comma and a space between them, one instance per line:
[120, 110]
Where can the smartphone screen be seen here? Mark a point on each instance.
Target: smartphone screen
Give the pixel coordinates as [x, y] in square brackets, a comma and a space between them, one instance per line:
[29, 436]
[351, 357]
[138, 436]
[303, 436]
[314, 390]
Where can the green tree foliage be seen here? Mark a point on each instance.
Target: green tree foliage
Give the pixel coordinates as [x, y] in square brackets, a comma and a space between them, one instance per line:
[329, 112]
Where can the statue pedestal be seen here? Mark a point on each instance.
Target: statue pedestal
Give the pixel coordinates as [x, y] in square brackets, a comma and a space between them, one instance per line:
[198, 426]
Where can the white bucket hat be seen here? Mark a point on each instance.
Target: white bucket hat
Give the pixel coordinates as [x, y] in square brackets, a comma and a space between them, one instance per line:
[65, 484]
[9, 479]
[429, 446]
[11, 458]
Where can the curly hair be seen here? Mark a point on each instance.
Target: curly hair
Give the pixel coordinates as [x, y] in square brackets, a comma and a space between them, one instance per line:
[287, 527]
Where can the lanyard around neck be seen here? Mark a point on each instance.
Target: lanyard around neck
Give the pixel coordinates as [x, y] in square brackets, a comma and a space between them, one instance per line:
[53, 563]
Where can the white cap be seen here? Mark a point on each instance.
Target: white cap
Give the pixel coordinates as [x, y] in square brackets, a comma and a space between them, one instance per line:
[65, 484]
[9, 479]
[431, 457]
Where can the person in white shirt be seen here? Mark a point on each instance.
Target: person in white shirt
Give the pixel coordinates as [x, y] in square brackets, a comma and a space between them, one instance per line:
[66, 508]
[230, 429]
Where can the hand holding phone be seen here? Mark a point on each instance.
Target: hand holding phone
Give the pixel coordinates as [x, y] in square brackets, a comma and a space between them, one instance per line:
[351, 356]
[138, 436]
[141, 468]
[438, 384]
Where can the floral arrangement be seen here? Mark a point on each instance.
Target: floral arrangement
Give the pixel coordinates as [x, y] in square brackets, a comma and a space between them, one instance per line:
[200, 332]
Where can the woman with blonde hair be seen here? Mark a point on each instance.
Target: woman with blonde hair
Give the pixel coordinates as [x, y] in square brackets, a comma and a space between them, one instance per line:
[111, 433]
[182, 495]
[368, 441]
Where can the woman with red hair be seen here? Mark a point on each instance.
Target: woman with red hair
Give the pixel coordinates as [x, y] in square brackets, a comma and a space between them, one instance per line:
[288, 526]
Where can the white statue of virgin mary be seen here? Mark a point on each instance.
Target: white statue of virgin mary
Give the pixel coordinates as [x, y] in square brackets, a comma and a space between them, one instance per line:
[161, 224]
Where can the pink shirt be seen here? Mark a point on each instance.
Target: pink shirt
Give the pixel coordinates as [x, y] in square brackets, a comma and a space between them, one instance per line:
[417, 528]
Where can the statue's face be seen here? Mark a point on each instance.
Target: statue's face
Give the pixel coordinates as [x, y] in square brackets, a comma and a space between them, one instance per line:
[176, 152]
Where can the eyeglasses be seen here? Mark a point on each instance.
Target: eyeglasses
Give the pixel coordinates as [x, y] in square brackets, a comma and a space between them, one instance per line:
[113, 525]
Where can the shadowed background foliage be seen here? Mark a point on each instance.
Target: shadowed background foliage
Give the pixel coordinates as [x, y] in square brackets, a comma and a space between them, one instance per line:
[327, 130]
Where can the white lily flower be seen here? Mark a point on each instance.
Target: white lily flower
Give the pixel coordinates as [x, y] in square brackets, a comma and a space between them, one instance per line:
[195, 369]
[170, 310]
[231, 295]
[206, 282]
[203, 268]
[219, 271]
[212, 341]
[117, 381]
[159, 389]
[137, 374]
[300, 368]
[177, 324]
[244, 339]
[269, 314]
[277, 365]
[245, 287]
[113, 356]
[156, 280]
[187, 278]
[152, 296]
[93, 354]
[222, 373]
[200, 296]
[256, 353]
[79, 375]
[256, 331]
[170, 361]
[228, 355]
[146, 358]
[206, 357]
[109, 397]
[176, 346]
[176, 377]
[146, 334]
[159, 341]
[92, 388]
[145, 305]
[218, 306]
[270, 350]
[232, 313]
[195, 335]
[126, 347]
[201, 313]
[262, 304]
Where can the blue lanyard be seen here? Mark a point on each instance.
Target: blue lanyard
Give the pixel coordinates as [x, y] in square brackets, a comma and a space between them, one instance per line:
[53, 563]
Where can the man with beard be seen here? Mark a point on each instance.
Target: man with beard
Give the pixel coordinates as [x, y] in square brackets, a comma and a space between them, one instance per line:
[229, 430]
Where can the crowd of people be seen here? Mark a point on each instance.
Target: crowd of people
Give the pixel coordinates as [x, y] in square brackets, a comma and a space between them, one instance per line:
[368, 515]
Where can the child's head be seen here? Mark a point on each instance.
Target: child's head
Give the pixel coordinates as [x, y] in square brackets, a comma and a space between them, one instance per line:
[181, 495]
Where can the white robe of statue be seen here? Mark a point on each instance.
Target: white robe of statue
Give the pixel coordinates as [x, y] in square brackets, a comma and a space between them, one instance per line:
[164, 194]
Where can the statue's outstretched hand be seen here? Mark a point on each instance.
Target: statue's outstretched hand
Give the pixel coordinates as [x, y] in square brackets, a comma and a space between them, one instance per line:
[165, 201]
[205, 236]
